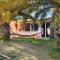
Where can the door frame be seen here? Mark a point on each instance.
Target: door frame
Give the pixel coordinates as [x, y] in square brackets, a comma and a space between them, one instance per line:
[45, 29]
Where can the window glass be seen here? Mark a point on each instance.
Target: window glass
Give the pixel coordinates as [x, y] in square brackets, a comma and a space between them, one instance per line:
[31, 27]
[35, 27]
[27, 28]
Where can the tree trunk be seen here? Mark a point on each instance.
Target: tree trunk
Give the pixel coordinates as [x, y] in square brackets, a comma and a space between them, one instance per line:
[57, 37]
[6, 31]
[58, 40]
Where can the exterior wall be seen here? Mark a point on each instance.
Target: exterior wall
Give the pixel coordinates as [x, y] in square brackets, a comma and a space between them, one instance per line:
[13, 28]
[22, 33]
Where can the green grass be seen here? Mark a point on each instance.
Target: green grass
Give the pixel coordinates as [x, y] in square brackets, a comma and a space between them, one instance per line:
[36, 42]
[2, 58]
[23, 40]
[55, 53]
[51, 46]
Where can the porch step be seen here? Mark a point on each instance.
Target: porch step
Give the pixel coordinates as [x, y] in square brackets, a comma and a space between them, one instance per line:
[16, 36]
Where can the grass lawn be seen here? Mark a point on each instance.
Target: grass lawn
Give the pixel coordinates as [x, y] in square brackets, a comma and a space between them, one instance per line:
[36, 42]
[49, 45]
[54, 52]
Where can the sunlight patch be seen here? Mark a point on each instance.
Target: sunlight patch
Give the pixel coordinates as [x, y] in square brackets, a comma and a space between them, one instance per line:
[10, 49]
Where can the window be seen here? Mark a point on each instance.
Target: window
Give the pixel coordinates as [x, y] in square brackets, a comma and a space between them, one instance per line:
[35, 27]
[31, 27]
[27, 28]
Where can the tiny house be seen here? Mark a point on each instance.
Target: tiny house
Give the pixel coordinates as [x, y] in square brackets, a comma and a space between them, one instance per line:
[37, 25]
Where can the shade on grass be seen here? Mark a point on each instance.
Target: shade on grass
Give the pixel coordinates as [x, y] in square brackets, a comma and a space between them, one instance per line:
[36, 42]
[49, 45]
[55, 53]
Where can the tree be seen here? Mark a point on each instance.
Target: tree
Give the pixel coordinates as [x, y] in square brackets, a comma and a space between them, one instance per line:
[57, 26]
[6, 27]
[58, 1]
[8, 7]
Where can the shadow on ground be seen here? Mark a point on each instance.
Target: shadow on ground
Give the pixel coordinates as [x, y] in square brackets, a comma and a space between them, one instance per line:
[24, 51]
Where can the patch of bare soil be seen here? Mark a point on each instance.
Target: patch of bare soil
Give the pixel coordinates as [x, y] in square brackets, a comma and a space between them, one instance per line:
[23, 51]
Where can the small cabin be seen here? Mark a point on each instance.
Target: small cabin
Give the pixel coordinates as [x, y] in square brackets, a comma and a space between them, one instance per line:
[38, 25]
